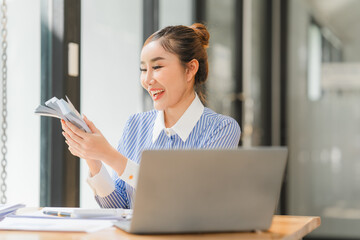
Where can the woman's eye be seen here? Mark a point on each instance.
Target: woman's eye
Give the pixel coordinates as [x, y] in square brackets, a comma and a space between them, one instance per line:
[142, 69]
[157, 67]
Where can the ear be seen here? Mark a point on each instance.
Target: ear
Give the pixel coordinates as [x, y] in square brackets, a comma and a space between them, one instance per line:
[192, 68]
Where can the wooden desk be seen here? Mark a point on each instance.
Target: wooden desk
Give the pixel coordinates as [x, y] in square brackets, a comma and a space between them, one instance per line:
[283, 227]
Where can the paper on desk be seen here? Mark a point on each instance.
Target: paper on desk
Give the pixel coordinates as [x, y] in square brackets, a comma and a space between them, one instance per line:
[6, 209]
[80, 213]
[58, 224]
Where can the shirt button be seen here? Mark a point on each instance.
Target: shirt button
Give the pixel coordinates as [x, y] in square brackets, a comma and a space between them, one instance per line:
[167, 132]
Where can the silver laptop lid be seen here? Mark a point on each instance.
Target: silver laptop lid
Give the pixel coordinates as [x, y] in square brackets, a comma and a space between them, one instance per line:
[182, 191]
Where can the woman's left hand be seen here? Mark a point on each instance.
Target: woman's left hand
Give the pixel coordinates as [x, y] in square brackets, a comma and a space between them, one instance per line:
[86, 145]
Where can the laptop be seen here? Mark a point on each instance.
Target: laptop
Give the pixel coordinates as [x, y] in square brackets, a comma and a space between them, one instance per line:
[187, 191]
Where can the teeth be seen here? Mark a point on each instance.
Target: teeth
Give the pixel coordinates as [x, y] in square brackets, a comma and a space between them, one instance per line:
[156, 92]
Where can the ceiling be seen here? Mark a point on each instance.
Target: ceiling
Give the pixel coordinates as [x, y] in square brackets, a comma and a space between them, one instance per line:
[340, 16]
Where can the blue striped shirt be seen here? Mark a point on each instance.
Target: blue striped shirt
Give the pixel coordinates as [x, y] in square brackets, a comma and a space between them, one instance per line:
[212, 130]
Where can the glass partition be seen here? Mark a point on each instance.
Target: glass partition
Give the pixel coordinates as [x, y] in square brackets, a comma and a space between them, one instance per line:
[323, 114]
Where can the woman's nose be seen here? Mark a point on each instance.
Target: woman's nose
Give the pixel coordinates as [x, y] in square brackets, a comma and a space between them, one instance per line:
[149, 80]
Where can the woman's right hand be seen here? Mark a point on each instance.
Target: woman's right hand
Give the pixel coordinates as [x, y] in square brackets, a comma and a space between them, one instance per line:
[93, 164]
[86, 145]
[92, 146]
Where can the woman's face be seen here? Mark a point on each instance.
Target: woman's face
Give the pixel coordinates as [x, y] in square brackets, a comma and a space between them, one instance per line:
[164, 77]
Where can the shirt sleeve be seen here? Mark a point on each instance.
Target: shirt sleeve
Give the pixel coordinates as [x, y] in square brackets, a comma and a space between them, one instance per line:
[102, 184]
[119, 198]
[116, 191]
[110, 193]
[130, 174]
[226, 135]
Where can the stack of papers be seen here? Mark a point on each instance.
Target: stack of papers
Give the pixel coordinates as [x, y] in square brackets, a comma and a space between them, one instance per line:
[63, 225]
[62, 109]
[65, 219]
[7, 209]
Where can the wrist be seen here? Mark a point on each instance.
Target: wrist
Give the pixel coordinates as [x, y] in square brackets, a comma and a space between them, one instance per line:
[94, 166]
[116, 161]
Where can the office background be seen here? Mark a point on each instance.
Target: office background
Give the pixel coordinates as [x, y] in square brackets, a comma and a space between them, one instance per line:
[287, 71]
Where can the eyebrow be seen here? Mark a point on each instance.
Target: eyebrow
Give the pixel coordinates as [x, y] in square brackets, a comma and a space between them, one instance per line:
[154, 59]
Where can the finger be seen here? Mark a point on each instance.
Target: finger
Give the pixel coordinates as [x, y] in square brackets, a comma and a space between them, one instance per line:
[62, 121]
[65, 126]
[69, 141]
[90, 124]
[74, 129]
[73, 152]
[73, 136]
[68, 134]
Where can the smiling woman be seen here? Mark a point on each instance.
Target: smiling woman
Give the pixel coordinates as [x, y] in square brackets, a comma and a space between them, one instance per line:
[173, 62]
[173, 67]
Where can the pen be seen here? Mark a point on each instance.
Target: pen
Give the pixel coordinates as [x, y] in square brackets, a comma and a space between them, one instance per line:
[57, 213]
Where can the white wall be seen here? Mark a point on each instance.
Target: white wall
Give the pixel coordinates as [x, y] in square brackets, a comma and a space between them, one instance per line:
[23, 133]
[111, 41]
[175, 12]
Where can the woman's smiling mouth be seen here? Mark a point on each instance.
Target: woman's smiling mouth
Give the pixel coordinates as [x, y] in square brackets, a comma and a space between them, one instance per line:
[156, 93]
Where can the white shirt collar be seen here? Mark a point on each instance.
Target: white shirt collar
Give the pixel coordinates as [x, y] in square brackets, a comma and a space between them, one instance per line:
[184, 125]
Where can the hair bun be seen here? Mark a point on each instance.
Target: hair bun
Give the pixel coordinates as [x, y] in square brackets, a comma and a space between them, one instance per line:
[202, 32]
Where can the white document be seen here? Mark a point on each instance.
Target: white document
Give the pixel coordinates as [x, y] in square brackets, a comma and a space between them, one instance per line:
[56, 224]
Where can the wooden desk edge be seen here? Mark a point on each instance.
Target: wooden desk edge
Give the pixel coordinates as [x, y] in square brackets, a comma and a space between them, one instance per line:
[284, 227]
[312, 222]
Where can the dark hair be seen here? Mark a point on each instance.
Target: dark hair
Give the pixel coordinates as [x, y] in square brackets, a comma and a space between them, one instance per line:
[188, 43]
